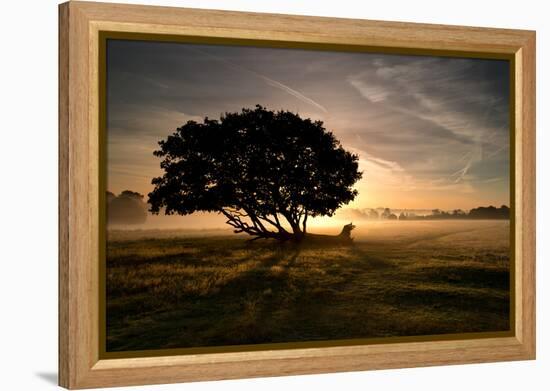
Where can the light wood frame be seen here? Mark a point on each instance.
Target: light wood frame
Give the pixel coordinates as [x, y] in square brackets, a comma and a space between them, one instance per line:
[80, 365]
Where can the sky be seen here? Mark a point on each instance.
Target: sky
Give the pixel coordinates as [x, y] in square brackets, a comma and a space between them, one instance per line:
[430, 132]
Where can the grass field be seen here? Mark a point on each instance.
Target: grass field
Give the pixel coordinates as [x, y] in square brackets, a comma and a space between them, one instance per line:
[173, 289]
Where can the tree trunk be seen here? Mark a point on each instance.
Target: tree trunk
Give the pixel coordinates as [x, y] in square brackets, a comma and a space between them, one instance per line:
[344, 238]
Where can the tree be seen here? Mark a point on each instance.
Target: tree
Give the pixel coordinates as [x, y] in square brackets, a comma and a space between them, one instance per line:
[265, 171]
[490, 212]
[126, 208]
[386, 213]
[373, 214]
[459, 213]
[109, 197]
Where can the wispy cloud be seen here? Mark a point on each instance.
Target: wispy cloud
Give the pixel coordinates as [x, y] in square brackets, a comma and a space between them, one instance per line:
[428, 130]
[294, 93]
[442, 93]
[460, 174]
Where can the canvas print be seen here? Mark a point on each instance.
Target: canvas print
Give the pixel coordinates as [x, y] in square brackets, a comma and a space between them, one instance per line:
[277, 196]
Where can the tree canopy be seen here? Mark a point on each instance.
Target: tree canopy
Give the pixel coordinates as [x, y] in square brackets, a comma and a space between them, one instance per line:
[265, 171]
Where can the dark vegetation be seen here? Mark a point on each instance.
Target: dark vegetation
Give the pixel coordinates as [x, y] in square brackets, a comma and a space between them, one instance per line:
[267, 172]
[480, 213]
[126, 208]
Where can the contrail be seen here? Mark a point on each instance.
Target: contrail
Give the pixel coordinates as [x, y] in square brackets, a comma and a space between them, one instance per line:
[267, 80]
[292, 92]
[460, 174]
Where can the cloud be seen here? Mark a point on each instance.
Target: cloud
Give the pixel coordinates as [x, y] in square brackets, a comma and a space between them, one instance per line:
[142, 119]
[269, 81]
[419, 124]
[441, 91]
[292, 92]
[442, 105]
[371, 92]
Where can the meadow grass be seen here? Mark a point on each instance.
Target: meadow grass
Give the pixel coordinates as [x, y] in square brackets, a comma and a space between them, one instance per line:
[174, 291]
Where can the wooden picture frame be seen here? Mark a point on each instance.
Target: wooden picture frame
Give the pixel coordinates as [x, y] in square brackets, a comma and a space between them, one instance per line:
[80, 27]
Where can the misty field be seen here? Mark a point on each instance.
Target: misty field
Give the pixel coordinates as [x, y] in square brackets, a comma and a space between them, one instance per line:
[174, 289]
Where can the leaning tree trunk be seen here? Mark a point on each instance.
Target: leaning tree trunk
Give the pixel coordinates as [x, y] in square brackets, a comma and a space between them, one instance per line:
[298, 236]
[344, 238]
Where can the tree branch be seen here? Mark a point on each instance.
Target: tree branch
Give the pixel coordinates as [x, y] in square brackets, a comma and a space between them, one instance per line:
[234, 218]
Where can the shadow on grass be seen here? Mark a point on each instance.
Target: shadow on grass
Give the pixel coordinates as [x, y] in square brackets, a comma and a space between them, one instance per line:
[264, 292]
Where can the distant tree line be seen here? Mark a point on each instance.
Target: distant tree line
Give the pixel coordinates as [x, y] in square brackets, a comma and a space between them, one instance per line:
[480, 213]
[126, 208]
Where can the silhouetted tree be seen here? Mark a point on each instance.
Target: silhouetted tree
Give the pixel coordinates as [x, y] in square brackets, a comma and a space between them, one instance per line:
[436, 212]
[504, 212]
[373, 214]
[482, 212]
[126, 208]
[459, 213]
[109, 197]
[263, 170]
[490, 212]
